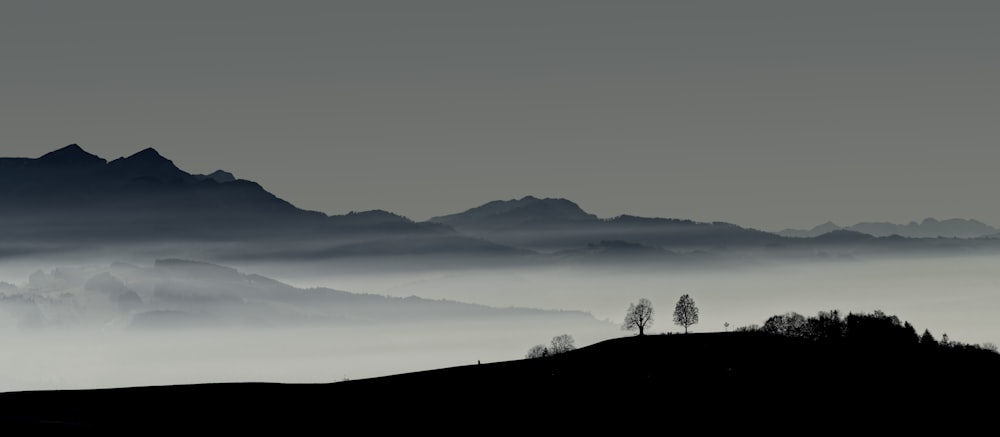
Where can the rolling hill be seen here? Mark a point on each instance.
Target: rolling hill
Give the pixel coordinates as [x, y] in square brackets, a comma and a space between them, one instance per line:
[737, 381]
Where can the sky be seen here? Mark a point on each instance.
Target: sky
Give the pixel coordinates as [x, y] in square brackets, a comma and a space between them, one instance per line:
[765, 114]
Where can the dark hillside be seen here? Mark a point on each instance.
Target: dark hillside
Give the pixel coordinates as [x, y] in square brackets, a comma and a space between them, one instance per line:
[745, 379]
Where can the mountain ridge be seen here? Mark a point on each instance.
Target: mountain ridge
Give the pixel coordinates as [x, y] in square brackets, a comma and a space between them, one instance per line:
[556, 224]
[927, 228]
[508, 213]
[71, 198]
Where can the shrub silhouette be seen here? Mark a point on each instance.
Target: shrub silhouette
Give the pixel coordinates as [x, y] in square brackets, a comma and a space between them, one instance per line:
[560, 344]
[537, 351]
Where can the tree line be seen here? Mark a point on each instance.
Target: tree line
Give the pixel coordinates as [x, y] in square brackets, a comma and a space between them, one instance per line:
[875, 329]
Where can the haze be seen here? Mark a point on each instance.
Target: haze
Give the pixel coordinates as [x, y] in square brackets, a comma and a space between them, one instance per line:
[946, 295]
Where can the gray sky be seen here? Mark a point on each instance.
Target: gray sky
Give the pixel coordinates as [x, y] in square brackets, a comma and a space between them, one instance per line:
[766, 114]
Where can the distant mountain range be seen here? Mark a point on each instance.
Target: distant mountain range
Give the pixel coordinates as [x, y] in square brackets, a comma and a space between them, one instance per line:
[181, 293]
[71, 200]
[559, 224]
[928, 228]
[561, 227]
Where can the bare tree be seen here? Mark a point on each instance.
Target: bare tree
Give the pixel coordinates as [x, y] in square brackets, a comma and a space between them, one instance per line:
[685, 313]
[562, 343]
[639, 316]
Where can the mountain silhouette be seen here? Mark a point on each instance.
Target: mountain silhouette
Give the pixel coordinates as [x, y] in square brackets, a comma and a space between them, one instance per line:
[512, 214]
[927, 228]
[559, 224]
[561, 228]
[69, 200]
[149, 164]
[844, 236]
[72, 199]
[71, 155]
[810, 233]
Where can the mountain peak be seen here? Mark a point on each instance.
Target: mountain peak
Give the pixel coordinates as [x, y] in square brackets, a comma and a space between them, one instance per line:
[219, 176]
[149, 163]
[222, 176]
[147, 154]
[71, 154]
[72, 148]
[506, 213]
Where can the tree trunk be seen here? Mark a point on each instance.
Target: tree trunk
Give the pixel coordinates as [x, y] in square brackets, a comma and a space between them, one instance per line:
[685, 329]
[640, 329]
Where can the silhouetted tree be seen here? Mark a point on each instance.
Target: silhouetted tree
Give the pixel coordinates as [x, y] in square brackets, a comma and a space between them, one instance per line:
[909, 334]
[639, 316]
[562, 343]
[927, 339]
[789, 324]
[827, 325]
[537, 351]
[879, 328]
[726, 325]
[685, 313]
